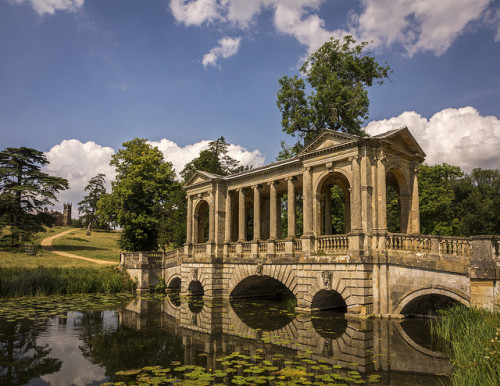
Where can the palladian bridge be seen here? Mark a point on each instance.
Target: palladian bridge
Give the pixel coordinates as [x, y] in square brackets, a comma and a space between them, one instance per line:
[317, 225]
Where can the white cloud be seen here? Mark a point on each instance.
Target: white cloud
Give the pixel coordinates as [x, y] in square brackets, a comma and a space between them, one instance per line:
[51, 6]
[419, 26]
[78, 162]
[194, 12]
[227, 47]
[456, 136]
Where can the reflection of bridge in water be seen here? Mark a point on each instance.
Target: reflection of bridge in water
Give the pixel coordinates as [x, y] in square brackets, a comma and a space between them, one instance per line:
[239, 235]
[367, 346]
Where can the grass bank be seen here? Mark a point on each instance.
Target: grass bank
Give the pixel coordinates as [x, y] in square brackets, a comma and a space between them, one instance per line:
[101, 245]
[474, 343]
[16, 281]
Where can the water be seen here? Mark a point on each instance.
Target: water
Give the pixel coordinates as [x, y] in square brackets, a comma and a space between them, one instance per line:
[87, 340]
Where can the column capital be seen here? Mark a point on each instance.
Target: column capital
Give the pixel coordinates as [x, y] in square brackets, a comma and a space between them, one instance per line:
[307, 169]
[291, 178]
[271, 183]
[329, 166]
[257, 187]
[353, 158]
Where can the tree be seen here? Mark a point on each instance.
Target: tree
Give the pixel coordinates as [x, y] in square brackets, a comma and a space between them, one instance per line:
[88, 206]
[25, 191]
[213, 160]
[144, 184]
[338, 73]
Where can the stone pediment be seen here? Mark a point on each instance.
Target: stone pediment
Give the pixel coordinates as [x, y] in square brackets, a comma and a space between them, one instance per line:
[403, 140]
[326, 139]
[200, 177]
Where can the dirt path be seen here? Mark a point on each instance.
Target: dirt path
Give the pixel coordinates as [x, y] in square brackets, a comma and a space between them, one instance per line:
[46, 244]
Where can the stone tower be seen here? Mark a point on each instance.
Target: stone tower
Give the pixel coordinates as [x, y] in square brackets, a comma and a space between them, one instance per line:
[66, 214]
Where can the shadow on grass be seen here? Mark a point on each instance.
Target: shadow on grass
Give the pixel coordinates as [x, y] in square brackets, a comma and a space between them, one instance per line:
[74, 248]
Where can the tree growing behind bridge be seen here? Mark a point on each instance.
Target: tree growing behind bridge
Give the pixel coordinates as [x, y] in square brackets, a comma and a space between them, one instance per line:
[140, 196]
[88, 206]
[25, 191]
[338, 75]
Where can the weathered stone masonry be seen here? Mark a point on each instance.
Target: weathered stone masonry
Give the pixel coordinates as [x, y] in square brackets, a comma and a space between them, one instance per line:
[234, 231]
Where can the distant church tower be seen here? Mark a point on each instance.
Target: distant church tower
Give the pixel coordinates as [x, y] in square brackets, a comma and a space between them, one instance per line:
[66, 221]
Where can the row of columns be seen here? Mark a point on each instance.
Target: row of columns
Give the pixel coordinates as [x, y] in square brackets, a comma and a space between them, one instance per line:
[274, 211]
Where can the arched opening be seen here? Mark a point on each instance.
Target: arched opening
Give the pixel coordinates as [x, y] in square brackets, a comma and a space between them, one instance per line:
[397, 202]
[202, 223]
[428, 305]
[195, 298]
[263, 302]
[174, 291]
[335, 204]
[328, 300]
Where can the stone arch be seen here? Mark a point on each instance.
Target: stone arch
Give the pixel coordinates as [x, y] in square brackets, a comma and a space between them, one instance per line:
[334, 283]
[201, 221]
[443, 291]
[397, 180]
[195, 287]
[282, 273]
[323, 205]
[174, 282]
[415, 346]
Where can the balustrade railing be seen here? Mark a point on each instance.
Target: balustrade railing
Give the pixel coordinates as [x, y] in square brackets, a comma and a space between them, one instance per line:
[496, 242]
[332, 243]
[455, 246]
[262, 248]
[231, 248]
[413, 243]
[199, 249]
[246, 248]
[297, 245]
[280, 247]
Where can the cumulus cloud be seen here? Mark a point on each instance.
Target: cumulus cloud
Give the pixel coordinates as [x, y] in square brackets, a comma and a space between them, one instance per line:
[419, 26]
[227, 47]
[78, 162]
[51, 6]
[456, 136]
[194, 12]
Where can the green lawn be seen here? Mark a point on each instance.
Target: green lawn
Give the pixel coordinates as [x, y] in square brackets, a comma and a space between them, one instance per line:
[101, 245]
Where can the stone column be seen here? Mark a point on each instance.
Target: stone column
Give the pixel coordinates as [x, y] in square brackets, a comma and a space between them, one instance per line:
[307, 201]
[415, 210]
[381, 199]
[273, 206]
[256, 212]
[211, 217]
[241, 216]
[229, 214]
[189, 229]
[355, 195]
[292, 212]
[328, 210]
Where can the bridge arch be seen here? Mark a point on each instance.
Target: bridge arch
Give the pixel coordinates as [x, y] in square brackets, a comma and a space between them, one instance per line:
[282, 273]
[420, 294]
[174, 283]
[331, 282]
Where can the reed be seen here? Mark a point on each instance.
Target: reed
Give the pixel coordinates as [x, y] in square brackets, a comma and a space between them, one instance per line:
[473, 337]
[15, 282]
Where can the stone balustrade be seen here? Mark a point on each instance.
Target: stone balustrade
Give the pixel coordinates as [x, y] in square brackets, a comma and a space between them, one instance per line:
[332, 243]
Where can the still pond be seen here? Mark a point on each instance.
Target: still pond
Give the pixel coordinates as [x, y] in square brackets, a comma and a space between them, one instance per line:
[123, 339]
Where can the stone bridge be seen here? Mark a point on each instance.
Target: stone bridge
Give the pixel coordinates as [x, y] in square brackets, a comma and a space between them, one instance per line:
[258, 231]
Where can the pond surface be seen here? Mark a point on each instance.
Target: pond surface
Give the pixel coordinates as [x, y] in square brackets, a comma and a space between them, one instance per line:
[90, 340]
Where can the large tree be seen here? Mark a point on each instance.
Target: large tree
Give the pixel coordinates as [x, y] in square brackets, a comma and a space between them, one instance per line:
[144, 185]
[213, 160]
[25, 192]
[338, 75]
[88, 206]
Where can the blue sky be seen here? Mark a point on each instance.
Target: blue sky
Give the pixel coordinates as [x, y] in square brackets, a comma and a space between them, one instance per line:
[80, 77]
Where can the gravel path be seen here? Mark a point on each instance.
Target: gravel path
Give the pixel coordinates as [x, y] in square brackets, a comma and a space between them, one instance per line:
[46, 244]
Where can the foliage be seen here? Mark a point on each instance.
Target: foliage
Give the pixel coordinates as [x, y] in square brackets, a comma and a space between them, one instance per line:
[212, 160]
[16, 282]
[172, 224]
[338, 73]
[88, 206]
[144, 184]
[474, 337]
[458, 204]
[25, 191]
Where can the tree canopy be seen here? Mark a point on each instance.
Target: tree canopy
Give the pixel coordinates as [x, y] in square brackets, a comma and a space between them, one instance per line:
[212, 160]
[338, 75]
[26, 191]
[88, 206]
[144, 183]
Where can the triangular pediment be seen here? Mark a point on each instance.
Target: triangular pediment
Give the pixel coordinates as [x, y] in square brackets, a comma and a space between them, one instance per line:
[326, 139]
[403, 140]
[200, 177]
